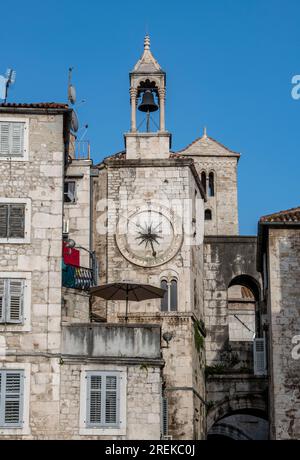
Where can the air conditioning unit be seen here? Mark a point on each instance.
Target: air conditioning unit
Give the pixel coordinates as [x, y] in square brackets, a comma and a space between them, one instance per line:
[65, 226]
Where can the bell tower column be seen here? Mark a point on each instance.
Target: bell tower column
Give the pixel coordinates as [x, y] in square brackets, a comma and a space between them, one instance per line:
[133, 96]
[162, 97]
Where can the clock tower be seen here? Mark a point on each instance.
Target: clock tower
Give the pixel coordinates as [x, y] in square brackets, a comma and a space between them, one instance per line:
[149, 225]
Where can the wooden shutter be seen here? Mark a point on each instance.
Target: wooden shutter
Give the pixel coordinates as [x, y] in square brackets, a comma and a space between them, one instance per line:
[15, 301]
[16, 221]
[13, 398]
[16, 138]
[4, 138]
[3, 220]
[94, 399]
[111, 400]
[103, 396]
[259, 351]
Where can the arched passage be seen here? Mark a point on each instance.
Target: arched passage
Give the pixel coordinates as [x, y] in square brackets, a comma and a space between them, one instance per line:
[243, 418]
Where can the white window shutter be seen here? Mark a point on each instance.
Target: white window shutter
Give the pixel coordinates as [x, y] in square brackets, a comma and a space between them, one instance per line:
[259, 352]
[111, 400]
[94, 399]
[4, 138]
[15, 302]
[16, 138]
[2, 302]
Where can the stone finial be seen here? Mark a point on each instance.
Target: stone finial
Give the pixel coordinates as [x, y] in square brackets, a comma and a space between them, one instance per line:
[204, 133]
[147, 42]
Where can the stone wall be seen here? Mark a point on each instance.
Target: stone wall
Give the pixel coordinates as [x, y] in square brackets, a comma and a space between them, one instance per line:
[283, 314]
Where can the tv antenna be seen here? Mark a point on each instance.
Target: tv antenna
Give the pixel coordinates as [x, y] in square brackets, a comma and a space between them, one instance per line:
[71, 88]
[5, 82]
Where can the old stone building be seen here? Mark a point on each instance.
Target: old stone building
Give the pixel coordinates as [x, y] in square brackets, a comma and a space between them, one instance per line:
[216, 357]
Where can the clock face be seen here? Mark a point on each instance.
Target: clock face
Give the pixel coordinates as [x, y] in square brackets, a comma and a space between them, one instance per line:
[149, 237]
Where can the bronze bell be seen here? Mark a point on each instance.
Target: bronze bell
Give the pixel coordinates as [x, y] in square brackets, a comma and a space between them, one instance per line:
[148, 103]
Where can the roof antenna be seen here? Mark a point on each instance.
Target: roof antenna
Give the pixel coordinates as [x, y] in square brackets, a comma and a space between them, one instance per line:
[71, 88]
[5, 82]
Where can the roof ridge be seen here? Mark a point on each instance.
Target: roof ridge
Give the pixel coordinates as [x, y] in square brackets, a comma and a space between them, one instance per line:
[210, 138]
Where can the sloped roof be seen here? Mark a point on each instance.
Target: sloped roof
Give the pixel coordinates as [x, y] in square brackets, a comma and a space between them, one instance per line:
[36, 105]
[290, 215]
[207, 146]
[147, 63]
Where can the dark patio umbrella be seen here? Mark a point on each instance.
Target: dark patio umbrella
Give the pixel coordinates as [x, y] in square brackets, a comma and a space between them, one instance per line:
[127, 290]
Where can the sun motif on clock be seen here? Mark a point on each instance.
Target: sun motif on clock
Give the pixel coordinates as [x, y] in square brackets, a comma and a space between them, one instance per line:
[149, 236]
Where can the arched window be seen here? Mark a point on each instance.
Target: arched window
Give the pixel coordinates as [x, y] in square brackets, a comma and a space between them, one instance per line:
[203, 180]
[208, 214]
[170, 300]
[211, 184]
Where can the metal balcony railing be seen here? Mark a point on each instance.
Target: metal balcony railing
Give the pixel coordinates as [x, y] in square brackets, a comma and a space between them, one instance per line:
[77, 277]
[79, 150]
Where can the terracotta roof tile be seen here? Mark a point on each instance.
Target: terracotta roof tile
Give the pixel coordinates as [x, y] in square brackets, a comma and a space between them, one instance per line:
[290, 215]
[36, 105]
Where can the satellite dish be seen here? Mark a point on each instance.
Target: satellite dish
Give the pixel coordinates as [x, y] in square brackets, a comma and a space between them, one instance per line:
[72, 94]
[74, 122]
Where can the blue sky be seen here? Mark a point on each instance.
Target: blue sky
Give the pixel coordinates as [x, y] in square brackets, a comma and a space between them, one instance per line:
[229, 67]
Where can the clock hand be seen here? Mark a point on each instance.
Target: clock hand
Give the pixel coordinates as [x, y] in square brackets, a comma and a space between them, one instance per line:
[153, 252]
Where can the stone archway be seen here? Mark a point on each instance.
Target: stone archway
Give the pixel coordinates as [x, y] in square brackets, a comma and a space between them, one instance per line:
[241, 418]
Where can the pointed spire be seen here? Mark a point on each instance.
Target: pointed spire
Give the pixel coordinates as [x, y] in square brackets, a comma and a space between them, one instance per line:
[204, 133]
[147, 63]
[147, 42]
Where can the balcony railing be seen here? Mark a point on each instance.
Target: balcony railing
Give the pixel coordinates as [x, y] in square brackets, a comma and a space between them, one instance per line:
[77, 277]
[79, 150]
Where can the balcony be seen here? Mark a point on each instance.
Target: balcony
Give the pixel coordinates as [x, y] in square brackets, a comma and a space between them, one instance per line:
[112, 341]
[77, 277]
[79, 150]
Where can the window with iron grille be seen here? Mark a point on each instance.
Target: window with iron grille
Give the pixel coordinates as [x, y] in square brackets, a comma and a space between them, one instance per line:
[11, 138]
[11, 300]
[11, 398]
[12, 220]
[103, 400]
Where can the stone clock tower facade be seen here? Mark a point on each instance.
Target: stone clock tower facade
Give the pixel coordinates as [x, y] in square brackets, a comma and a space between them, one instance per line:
[148, 228]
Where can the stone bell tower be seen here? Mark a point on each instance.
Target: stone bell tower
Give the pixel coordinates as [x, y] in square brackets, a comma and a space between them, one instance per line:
[147, 81]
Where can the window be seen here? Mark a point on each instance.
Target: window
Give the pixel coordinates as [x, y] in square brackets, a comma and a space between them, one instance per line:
[70, 192]
[211, 184]
[11, 398]
[12, 138]
[12, 220]
[169, 301]
[208, 214]
[11, 300]
[203, 180]
[103, 395]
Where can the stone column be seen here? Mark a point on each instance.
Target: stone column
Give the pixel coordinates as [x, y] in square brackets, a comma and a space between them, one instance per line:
[162, 97]
[133, 101]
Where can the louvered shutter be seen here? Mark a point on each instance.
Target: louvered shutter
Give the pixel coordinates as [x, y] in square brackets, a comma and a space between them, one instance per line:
[259, 351]
[3, 220]
[13, 398]
[111, 400]
[2, 301]
[15, 300]
[16, 221]
[16, 138]
[4, 138]
[94, 399]
[164, 417]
